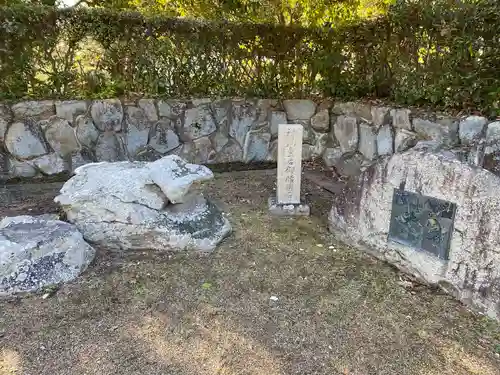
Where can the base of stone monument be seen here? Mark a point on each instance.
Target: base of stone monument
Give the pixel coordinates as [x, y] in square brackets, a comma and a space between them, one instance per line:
[288, 209]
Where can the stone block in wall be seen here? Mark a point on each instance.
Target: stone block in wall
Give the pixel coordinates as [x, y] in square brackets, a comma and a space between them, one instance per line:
[231, 152]
[24, 140]
[272, 153]
[136, 139]
[299, 109]
[243, 117]
[307, 152]
[61, 136]
[200, 101]
[51, 164]
[164, 139]
[367, 141]
[381, 116]
[256, 146]
[147, 154]
[171, 109]
[401, 118]
[350, 164]
[321, 121]
[320, 144]
[219, 140]
[86, 132]
[404, 140]
[4, 167]
[361, 111]
[136, 117]
[107, 114]
[70, 109]
[19, 168]
[332, 156]
[221, 110]
[41, 109]
[361, 215]
[493, 137]
[264, 109]
[443, 130]
[471, 129]
[5, 118]
[199, 151]
[109, 148]
[385, 140]
[149, 108]
[347, 133]
[277, 118]
[198, 122]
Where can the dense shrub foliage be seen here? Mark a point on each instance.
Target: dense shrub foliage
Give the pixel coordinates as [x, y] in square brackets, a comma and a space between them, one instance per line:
[443, 52]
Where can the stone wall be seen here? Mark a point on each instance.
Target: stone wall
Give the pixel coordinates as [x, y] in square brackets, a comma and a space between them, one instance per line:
[40, 138]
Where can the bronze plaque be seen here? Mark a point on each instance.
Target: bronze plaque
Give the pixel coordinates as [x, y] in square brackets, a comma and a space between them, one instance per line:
[422, 222]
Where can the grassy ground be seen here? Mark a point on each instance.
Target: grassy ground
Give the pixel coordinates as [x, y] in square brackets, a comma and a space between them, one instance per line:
[280, 296]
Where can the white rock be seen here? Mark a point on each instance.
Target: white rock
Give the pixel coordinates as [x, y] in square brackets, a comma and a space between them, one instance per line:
[40, 251]
[138, 205]
[299, 109]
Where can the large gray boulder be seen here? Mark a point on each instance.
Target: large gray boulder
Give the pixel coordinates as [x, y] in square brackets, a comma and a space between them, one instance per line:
[40, 251]
[361, 216]
[140, 205]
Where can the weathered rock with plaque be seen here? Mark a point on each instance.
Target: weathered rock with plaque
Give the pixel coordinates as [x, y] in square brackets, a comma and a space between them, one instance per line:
[287, 201]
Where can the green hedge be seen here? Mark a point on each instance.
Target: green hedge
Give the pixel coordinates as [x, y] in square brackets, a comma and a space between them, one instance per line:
[445, 53]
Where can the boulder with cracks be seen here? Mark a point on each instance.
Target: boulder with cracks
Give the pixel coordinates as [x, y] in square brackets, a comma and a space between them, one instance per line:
[40, 251]
[143, 206]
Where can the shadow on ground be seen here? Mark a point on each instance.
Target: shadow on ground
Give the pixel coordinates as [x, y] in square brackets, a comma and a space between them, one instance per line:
[280, 296]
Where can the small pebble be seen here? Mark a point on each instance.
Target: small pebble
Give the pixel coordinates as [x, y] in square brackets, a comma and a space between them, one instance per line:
[319, 245]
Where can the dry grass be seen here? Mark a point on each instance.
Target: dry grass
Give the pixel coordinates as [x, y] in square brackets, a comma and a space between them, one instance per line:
[337, 311]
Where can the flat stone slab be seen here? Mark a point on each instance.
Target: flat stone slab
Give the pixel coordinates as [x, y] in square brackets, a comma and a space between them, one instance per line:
[288, 209]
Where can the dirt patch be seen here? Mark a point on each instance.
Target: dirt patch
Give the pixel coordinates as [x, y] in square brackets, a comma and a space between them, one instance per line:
[280, 296]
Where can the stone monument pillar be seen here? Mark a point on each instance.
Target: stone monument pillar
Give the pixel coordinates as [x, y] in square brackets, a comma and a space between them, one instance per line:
[287, 201]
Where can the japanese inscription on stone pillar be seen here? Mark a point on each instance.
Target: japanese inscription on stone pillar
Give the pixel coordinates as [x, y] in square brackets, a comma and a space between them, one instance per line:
[289, 163]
